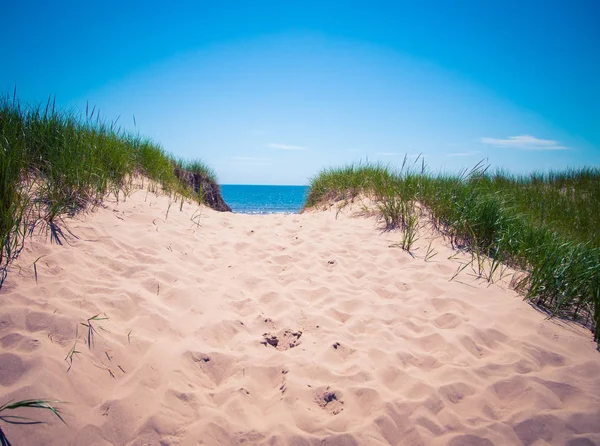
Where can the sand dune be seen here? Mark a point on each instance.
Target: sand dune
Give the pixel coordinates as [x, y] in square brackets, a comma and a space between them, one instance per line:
[281, 330]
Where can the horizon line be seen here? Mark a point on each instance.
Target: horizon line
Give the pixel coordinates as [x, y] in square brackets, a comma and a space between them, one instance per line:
[246, 184]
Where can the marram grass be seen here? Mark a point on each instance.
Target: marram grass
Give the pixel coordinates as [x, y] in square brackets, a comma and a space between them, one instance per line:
[55, 163]
[5, 417]
[545, 224]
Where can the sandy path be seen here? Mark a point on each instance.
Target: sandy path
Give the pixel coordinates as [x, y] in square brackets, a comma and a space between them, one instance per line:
[281, 329]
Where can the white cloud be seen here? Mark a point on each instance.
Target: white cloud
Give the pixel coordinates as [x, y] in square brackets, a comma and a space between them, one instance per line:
[285, 147]
[469, 153]
[524, 142]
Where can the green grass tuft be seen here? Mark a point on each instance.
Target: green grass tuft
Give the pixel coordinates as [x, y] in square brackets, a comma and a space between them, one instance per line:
[25, 404]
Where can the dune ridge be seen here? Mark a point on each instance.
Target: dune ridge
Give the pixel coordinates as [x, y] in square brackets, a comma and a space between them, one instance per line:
[280, 329]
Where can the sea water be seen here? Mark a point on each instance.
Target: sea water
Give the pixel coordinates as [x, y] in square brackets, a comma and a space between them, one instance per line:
[252, 199]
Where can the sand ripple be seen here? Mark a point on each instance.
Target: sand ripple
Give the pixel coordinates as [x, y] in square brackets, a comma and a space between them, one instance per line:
[281, 330]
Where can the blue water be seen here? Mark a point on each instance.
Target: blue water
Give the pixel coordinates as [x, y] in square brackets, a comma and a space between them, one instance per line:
[264, 199]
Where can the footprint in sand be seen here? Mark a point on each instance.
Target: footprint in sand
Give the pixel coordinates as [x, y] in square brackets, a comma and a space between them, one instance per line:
[329, 400]
[447, 321]
[12, 368]
[217, 367]
[16, 341]
[283, 341]
[342, 352]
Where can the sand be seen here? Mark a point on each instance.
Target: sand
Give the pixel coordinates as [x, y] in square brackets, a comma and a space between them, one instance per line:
[282, 330]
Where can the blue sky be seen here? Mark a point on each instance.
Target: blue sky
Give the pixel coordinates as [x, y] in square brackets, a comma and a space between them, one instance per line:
[271, 92]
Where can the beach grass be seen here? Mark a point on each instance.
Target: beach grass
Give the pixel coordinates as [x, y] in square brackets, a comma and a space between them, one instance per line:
[197, 167]
[55, 163]
[49, 405]
[544, 224]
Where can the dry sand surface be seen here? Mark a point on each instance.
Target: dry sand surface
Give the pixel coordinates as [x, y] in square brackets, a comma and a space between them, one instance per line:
[282, 330]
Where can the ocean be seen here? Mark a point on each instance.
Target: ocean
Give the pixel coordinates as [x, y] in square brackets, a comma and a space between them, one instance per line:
[252, 199]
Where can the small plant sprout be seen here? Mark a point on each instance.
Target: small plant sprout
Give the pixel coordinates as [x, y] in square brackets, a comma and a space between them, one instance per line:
[91, 330]
[34, 264]
[105, 367]
[71, 354]
[431, 253]
[195, 218]
[409, 230]
[460, 269]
